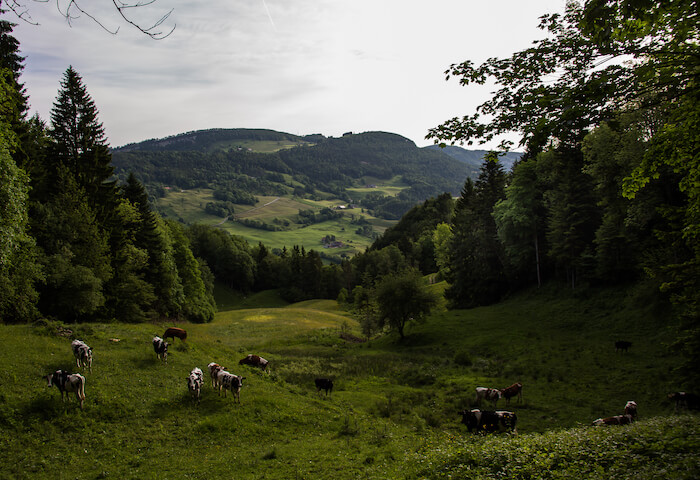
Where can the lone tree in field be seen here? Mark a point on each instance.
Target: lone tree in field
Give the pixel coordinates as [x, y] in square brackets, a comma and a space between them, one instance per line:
[402, 298]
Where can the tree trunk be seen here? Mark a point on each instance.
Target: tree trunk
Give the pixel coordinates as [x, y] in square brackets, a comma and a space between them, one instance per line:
[537, 261]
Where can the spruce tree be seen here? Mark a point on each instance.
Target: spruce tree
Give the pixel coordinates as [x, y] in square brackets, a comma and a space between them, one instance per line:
[477, 274]
[80, 144]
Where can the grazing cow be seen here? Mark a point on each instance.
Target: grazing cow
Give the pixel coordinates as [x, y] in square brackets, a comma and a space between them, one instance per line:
[514, 390]
[689, 401]
[631, 409]
[622, 346]
[173, 332]
[489, 421]
[214, 369]
[161, 348]
[194, 383]
[67, 383]
[489, 394]
[324, 384]
[82, 353]
[255, 361]
[615, 420]
[229, 381]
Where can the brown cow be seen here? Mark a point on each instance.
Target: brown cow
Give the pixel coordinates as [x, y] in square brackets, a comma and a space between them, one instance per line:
[173, 332]
[514, 390]
[255, 361]
[616, 420]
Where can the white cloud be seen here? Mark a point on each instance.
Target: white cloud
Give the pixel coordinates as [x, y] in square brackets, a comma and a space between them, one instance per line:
[311, 66]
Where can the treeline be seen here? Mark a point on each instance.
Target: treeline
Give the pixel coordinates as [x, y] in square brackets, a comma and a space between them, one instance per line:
[75, 244]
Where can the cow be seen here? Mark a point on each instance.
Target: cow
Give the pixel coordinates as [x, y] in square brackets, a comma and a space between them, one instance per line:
[255, 361]
[173, 332]
[689, 401]
[622, 346]
[67, 383]
[324, 384]
[194, 383]
[489, 421]
[631, 409]
[614, 420]
[161, 348]
[82, 353]
[514, 390]
[229, 381]
[489, 394]
[214, 369]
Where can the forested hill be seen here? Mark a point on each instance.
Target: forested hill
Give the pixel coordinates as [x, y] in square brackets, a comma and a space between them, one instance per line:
[213, 139]
[474, 158]
[265, 162]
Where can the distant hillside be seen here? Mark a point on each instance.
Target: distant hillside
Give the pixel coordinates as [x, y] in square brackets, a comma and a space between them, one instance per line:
[285, 189]
[265, 162]
[474, 158]
[214, 139]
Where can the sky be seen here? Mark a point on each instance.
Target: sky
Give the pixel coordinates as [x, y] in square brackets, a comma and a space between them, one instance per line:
[301, 67]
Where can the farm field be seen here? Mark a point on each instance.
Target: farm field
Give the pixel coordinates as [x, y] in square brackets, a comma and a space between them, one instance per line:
[188, 206]
[392, 414]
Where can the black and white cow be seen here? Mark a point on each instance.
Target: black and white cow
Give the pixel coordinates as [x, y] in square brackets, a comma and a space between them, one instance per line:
[324, 384]
[214, 369]
[229, 381]
[161, 348]
[82, 353]
[492, 395]
[68, 383]
[195, 382]
[489, 421]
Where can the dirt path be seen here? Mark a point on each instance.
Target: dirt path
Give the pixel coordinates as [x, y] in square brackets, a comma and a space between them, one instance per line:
[256, 208]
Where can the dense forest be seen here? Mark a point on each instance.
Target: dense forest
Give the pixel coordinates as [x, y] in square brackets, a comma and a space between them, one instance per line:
[607, 192]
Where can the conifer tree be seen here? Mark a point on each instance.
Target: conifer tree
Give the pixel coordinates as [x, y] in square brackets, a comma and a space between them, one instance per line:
[477, 274]
[80, 144]
[19, 267]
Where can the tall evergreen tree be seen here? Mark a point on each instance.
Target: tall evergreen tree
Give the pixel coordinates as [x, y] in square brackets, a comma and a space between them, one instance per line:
[80, 144]
[477, 275]
[153, 237]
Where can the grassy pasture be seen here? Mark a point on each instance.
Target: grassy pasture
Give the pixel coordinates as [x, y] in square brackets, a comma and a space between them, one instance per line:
[188, 206]
[393, 413]
[260, 146]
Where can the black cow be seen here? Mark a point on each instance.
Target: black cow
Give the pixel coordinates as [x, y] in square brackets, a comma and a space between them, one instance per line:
[689, 401]
[489, 421]
[324, 384]
[622, 345]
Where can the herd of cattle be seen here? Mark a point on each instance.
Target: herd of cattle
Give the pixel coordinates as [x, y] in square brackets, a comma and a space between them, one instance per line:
[484, 421]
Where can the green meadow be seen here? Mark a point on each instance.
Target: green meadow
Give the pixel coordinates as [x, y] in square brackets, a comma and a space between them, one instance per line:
[188, 206]
[393, 412]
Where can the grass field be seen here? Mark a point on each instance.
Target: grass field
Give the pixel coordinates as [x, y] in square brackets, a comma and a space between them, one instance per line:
[393, 413]
[188, 206]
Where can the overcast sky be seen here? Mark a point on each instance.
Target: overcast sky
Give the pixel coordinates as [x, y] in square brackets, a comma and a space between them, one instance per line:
[301, 66]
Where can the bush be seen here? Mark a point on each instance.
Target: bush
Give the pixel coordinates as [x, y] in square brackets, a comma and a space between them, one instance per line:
[463, 359]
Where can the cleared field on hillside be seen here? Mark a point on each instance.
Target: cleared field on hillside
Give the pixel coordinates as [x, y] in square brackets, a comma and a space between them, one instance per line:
[309, 236]
[393, 411]
[260, 146]
[188, 206]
